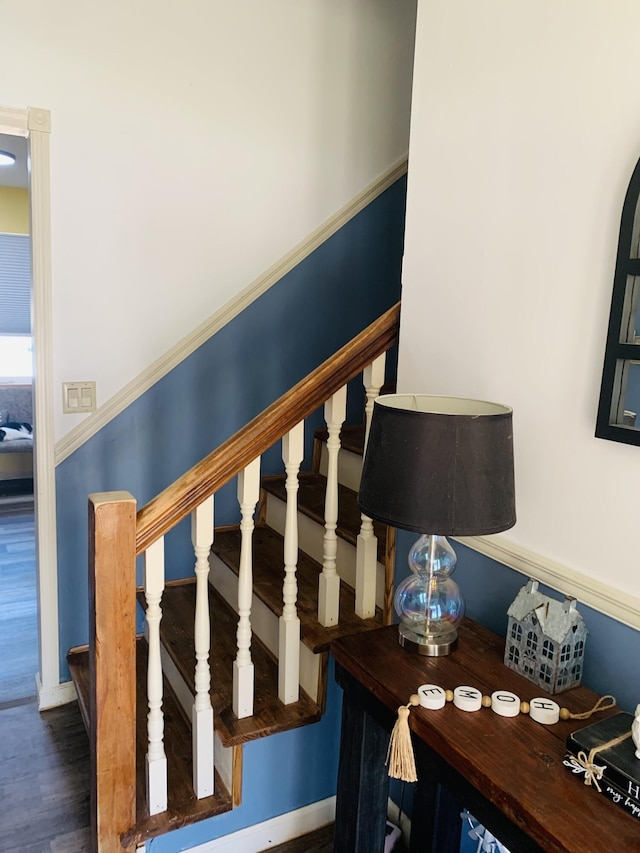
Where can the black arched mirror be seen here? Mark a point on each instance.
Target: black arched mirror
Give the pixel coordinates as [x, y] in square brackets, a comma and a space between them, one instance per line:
[619, 408]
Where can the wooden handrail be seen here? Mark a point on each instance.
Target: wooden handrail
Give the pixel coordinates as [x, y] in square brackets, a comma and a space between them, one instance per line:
[205, 478]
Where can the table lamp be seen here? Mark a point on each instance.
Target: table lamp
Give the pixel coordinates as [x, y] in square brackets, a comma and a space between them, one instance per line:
[439, 466]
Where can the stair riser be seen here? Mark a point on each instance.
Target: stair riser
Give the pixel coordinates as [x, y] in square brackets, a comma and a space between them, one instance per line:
[310, 540]
[265, 625]
[228, 759]
[349, 467]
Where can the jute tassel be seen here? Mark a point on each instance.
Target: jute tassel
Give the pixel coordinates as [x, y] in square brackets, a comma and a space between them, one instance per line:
[400, 759]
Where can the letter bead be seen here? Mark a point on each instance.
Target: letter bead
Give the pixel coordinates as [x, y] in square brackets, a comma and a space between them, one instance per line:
[544, 711]
[467, 698]
[432, 696]
[505, 704]
[502, 702]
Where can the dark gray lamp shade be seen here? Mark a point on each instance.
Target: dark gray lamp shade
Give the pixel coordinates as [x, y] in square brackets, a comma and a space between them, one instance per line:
[441, 465]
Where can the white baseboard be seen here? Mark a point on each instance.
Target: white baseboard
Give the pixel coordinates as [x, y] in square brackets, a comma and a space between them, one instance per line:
[272, 832]
[52, 697]
[284, 828]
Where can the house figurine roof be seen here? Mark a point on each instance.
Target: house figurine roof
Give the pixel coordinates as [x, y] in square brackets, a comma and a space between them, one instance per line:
[556, 618]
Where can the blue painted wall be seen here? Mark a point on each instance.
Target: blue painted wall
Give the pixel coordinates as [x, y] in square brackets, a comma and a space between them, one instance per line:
[319, 306]
[299, 322]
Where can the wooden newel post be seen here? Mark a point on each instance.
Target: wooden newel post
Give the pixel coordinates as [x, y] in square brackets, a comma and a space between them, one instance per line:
[112, 656]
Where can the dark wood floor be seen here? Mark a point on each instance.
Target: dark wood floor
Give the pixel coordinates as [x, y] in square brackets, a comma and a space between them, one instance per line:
[44, 764]
[320, 841]
[44, 780]
[18, 600]
[44, 758]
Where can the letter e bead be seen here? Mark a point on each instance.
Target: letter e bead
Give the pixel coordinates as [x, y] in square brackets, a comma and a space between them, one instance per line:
[431, 696]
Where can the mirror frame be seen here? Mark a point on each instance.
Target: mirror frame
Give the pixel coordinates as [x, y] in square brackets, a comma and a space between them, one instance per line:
[615, 351]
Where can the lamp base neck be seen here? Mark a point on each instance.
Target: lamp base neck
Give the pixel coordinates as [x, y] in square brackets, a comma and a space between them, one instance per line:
[433, 646]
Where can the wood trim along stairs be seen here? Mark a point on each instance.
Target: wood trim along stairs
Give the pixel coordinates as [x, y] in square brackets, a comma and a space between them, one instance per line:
[98, 672]
[204, 479]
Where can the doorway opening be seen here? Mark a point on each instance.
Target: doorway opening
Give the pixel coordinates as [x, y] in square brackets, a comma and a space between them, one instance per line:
[33, 125]
[18, 586]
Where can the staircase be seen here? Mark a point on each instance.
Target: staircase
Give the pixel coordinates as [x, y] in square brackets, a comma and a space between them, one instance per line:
[240, 651]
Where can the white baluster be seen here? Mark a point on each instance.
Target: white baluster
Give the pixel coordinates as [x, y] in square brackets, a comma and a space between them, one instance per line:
[202, 712]
[248, 494]
[329, 585]
[367, 543]
[289, 624]
[156, 759]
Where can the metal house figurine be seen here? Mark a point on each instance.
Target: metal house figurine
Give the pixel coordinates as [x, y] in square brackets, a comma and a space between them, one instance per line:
[545, 639]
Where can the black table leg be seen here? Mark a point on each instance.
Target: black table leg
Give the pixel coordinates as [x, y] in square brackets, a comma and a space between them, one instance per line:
[435, 825]
[363, 784]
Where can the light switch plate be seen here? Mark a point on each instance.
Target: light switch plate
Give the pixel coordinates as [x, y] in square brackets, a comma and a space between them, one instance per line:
[78, 397]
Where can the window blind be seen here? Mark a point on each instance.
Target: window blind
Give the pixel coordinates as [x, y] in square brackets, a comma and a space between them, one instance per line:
[15, 284]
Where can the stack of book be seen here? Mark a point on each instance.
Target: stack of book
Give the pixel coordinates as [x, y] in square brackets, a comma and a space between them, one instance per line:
[616, 768]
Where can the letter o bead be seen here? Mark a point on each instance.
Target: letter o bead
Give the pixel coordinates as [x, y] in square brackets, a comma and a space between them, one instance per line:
[505, 704]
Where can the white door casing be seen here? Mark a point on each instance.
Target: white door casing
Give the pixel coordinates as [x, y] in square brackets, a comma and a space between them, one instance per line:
[35, 125]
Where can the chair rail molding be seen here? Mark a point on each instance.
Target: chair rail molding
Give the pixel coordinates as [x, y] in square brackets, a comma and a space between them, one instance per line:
[129, 393]
[600, 596]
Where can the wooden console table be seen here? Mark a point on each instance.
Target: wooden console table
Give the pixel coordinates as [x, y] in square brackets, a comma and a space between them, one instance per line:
[507, 771]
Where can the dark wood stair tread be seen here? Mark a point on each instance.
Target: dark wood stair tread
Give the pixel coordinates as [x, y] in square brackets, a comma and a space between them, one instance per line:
[311, 495]
[268, 577]
[78, 661]
[183, 806]
[270, 715]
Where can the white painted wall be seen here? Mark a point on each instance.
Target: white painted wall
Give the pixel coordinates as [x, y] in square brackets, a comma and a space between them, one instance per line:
[525, 131]
[192, 146]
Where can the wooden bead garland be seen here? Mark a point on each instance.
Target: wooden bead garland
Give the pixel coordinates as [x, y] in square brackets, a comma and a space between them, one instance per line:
[400, 758]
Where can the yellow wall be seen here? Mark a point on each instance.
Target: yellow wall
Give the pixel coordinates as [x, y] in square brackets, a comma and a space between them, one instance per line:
[14, 210]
